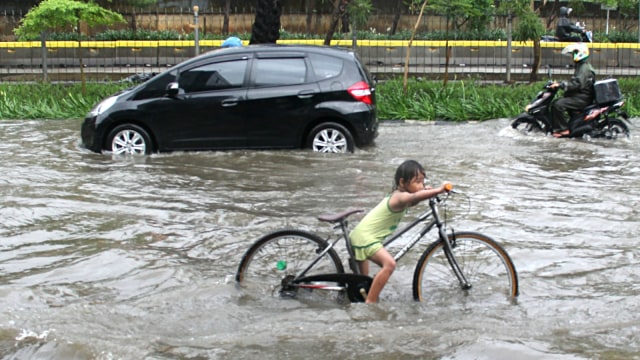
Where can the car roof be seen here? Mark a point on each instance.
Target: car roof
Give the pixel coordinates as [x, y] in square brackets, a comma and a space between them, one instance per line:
[279, 49]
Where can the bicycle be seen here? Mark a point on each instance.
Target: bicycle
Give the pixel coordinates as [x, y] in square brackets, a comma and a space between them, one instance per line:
[289, 262]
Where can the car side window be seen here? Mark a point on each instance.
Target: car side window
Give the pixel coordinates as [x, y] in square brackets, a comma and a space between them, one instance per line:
[277, 72]
[216, 76]
[326, 67]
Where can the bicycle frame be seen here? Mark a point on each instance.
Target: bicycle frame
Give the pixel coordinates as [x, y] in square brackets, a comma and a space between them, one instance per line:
[432, 212]
[442, 235]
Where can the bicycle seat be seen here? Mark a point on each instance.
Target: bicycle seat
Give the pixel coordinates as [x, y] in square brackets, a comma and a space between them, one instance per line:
[333, 218]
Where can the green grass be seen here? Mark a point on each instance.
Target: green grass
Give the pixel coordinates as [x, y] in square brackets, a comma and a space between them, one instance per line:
[52, 101]
[424, 100]
[468, 100]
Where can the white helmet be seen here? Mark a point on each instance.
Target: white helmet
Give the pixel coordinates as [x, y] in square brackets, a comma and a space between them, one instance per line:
[579, 51]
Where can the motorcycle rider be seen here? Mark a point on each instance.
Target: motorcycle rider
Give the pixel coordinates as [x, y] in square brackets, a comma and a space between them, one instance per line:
[578, 91]
[565, 27]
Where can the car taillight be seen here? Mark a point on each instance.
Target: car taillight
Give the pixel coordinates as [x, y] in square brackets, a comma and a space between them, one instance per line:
[361, 91]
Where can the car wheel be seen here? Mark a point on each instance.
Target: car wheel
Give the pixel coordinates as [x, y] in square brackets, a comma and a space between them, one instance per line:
[129, 139]
[330, 138]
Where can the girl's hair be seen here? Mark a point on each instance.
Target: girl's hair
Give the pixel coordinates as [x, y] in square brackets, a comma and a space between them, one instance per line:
[407, 171]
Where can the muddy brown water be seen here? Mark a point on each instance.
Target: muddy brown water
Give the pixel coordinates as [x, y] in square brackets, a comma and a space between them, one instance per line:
[121, 258]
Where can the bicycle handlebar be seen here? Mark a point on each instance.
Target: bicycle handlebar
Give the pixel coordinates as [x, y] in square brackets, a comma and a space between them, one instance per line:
[448, 186]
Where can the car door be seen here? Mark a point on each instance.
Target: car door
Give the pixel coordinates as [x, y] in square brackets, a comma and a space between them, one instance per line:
[205, 114]
[280, 100]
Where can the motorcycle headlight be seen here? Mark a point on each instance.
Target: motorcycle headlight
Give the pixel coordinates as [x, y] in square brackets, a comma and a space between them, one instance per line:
[103, 106]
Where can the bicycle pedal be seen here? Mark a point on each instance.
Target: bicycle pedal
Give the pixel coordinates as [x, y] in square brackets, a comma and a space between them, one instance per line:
[363, 292]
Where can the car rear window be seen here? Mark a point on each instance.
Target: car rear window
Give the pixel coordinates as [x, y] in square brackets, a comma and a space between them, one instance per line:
[277, 72]
[326, 67]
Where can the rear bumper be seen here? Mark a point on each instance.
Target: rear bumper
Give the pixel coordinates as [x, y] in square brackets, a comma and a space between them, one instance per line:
[367, 131]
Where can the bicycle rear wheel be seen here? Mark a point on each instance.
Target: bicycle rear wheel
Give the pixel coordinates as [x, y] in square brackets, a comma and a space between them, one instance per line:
[271, 263]
[485, 264]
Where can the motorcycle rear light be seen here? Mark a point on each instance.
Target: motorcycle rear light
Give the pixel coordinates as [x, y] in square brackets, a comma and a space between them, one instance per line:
[361, 91]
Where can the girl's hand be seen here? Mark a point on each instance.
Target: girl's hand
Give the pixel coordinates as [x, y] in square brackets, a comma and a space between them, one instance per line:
[447, 186]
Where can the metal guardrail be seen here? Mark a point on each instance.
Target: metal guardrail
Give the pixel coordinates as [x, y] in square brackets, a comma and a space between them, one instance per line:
[482, 59]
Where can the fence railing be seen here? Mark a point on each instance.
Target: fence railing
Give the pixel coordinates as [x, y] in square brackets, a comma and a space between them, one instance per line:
[109, 60]
[113, 60]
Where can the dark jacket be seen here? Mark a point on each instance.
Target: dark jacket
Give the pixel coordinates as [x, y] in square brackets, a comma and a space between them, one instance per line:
[581, 84]
[565, 27]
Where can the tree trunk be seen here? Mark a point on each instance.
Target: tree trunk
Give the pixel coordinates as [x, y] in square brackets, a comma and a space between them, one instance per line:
[309, 6]
[555, 10]
[339, 9]
[345, 22]
[447, 57]
[227, 13]
[43, 42]
[537, 59]
[134, 21]
[83, 80]
[447, 50]
[537, 53]
[266, 27]
[396, 17]
[406, 60]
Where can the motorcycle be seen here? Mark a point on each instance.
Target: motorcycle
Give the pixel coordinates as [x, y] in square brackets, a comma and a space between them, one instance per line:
[603, 119]
[585, 35]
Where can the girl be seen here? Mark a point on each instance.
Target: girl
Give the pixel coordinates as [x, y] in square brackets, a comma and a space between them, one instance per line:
[367, 237]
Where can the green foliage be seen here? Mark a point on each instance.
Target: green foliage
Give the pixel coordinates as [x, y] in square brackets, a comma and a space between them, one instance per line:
[475, 13]
[627, 8]
[370, 34]
[51, 101]
[63, 14]
[425, 100]
[134, 3]
[529, 27]
[488, 34]
[616, 37]
[467, 100]
[359, 11]
[630, 88]
[460, 101]
[141, 34]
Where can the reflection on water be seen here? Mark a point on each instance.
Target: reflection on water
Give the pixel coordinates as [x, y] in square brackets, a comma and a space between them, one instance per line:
[120, 258]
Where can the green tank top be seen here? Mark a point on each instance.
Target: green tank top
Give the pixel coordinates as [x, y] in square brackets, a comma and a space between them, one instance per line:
[379, 223]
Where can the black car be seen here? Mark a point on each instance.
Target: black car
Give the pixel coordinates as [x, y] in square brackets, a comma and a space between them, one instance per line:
[253, 97]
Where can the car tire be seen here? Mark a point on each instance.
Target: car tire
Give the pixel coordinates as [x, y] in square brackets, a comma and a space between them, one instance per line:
[129, 139]
[330, 138]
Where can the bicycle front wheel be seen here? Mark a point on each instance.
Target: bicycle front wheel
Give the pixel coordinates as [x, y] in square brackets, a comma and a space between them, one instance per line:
[485, 264]
[272, 263]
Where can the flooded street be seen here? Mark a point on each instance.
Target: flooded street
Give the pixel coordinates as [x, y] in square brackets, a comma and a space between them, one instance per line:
[134, 258]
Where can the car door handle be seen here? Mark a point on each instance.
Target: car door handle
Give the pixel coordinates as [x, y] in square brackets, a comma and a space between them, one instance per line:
[306, 94]
[230, 102]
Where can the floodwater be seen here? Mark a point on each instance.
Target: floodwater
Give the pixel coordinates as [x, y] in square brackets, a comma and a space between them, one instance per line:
[134, 258]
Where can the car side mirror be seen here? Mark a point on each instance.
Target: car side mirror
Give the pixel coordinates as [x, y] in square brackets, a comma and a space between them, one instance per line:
[173, 89]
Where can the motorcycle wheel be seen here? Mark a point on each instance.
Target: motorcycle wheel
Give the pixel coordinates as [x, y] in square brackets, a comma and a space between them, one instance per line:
[527, 124]
[615, 128]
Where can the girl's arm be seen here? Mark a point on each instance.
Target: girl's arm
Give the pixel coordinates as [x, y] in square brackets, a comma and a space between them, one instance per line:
[401, 199]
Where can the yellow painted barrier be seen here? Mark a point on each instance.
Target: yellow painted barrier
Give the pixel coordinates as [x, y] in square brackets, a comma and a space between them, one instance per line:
[344, 43]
